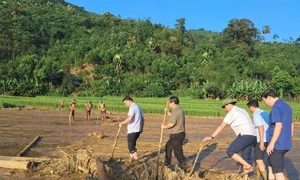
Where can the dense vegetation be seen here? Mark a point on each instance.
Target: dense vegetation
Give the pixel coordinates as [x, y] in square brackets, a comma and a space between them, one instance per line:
[42, 43]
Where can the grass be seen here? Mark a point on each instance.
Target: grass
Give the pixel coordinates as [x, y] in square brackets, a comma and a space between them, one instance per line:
[192, 107]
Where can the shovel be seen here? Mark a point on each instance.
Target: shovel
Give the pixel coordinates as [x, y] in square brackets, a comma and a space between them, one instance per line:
[200, 149]
[117, 137]
[161, 135]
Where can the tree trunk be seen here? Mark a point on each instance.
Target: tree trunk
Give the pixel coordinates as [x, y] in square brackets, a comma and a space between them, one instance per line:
[23, 165]
[13, 158]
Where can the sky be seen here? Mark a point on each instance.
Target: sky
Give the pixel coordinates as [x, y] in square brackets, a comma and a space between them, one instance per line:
[283, 16]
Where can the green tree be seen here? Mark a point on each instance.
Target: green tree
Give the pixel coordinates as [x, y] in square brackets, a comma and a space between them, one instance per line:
[266, 30]
[240, 30]
[180, 25]
[283, 83]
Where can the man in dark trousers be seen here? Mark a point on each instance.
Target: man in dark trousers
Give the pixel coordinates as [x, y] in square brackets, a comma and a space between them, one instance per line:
[176, 126]
[135, 125]
[281, 132]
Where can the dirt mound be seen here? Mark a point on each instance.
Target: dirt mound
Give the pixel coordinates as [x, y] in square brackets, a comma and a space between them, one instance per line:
[71, 163]
[98, 168]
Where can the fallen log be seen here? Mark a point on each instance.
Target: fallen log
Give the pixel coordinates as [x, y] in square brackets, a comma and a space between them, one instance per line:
[23, 165]
[29, 146]
[35, 159]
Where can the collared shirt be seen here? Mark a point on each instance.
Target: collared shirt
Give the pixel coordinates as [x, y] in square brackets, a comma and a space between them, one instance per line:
[136, 123]
[240, 121]
[261, 118]
[177, 118]
[281, 112]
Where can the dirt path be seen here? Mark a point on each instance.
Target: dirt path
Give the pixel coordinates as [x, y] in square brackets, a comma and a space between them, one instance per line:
[19, 127]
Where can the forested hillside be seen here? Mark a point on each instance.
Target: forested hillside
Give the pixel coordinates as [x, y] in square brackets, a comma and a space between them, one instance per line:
[55, 48]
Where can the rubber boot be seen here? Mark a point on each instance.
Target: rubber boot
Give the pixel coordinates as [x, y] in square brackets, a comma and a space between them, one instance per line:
[264, 175]
[167, 161]
[258, 173]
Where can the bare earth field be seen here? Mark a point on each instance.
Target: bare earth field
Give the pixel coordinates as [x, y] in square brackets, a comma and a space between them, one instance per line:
[19, 127]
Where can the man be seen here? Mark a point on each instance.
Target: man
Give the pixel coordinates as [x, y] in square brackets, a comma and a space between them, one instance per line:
[241, 123]
[135, 121]
[176, 126]
[261, 124]
[72, 111]
[102, 109]
[281, 132]
[88, 109]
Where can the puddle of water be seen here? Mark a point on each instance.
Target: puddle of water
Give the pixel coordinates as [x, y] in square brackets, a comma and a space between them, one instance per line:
[11, 150]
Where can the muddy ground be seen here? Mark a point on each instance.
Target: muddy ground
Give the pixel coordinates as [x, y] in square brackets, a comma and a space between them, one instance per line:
[18, 127]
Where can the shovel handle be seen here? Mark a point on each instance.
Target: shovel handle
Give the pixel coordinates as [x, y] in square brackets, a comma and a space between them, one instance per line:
[161, 135]
[117, 137]
[200, 149]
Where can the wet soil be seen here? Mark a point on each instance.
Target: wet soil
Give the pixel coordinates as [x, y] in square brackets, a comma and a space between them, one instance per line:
[18, 127]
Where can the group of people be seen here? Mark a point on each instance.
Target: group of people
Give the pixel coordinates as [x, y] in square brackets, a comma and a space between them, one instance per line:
[269, 134]
[176, 125]
[88, 109]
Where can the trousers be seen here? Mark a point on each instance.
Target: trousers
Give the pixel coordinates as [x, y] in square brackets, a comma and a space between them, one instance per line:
[175, 144]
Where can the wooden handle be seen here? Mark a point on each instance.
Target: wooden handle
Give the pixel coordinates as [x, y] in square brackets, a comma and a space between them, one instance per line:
[161, 135]
[117, 137]
[200, 149]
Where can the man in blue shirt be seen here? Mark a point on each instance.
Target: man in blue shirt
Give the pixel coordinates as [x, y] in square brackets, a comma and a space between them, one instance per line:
[261, 124]
[281, 132]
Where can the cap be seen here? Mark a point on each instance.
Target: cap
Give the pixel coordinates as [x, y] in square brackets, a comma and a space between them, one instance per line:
[227, 101]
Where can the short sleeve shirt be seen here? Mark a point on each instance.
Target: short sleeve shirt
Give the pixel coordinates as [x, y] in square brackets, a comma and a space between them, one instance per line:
[177, 118]
[240, 121]
[282, 113]
[136, 123]
[261, 118]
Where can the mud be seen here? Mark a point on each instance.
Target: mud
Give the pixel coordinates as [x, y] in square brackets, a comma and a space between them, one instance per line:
[18, 127]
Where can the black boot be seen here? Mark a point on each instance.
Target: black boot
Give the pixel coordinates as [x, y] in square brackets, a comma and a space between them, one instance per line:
[167, 161]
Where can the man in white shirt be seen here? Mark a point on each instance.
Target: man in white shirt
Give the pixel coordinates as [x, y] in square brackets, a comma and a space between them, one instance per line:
[135, 121]
[242, 125]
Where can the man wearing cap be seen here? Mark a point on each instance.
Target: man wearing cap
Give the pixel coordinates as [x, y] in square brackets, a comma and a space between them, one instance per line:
[241, 123]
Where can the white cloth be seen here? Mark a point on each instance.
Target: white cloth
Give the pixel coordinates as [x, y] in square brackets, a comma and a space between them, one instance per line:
[240, 121]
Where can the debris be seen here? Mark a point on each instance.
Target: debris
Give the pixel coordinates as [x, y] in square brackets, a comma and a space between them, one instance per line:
[27, 148]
